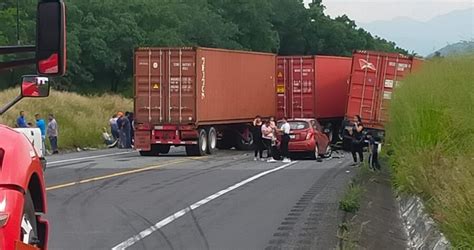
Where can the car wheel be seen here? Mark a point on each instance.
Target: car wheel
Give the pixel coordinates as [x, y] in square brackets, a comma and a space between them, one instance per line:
[328, 151]
[315, 153]
[28, 229]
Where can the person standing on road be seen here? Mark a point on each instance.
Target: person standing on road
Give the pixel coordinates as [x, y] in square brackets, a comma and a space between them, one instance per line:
[267, 137]
[41, 124]
[374, 147]
[285, 139]
[114, 127]
[21, 120]
[357, 140]
[125, 131]
[257, 137]
[131, 119]
[119, 126]
[275, 130]
[53, 133]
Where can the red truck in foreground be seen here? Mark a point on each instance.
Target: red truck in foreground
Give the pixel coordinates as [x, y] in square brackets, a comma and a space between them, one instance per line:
[200, 98]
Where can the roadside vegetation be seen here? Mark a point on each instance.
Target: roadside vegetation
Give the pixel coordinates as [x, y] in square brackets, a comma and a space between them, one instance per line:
[431, 140]
[350, 202]
[80, 118]
[349, 233]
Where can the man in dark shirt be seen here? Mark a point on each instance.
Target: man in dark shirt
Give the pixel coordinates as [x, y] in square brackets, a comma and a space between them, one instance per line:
[125, 131]
[257, 137]
[357, 140]
[21, 120]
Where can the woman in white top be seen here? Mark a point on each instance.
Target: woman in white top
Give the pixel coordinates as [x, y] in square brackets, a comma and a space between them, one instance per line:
[285, 139]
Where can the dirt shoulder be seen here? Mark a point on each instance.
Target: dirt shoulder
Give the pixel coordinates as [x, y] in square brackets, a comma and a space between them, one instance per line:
[377, 224]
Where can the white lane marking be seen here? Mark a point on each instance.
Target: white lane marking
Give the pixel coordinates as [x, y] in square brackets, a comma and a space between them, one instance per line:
[89, 157]
[134, 239]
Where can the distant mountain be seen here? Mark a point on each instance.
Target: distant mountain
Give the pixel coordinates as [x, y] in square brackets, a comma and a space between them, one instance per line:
[456, 49]
[426, 37]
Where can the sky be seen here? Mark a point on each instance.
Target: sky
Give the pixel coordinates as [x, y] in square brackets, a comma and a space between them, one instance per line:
[364, 11]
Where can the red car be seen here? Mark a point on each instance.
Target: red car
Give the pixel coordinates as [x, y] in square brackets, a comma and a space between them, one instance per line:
[308, 136]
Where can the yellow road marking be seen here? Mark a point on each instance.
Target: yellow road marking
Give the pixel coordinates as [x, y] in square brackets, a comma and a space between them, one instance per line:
[128, 172]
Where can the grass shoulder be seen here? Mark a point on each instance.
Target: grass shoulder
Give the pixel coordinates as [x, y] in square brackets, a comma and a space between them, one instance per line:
[80, 118]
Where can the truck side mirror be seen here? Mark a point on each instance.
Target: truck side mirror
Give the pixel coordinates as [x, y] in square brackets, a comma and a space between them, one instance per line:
[34, 86]
[51, 38]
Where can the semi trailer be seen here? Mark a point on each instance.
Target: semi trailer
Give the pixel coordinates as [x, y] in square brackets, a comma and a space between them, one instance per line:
[200, 98]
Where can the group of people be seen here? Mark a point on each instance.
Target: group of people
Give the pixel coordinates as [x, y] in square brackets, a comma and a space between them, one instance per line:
[49, 130]
[358, 140]
[265, 138]
[122, 126]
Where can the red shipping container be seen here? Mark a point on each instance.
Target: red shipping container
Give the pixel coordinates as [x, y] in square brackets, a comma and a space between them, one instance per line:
[295, 86]
[212, 86]
[373, 79]
[312, 86]
[200, 98]
[332, 82]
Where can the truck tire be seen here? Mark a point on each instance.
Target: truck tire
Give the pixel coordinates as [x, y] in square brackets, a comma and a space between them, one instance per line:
[28, 229]
[163, 149]
[211, 140]
[242, 144]
[201, 147]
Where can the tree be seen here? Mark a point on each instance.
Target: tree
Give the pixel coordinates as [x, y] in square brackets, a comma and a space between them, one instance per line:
[290, 19]
[103, 34]
[253, 20]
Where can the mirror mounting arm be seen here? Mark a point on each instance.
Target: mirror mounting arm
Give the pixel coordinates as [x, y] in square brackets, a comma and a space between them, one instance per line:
[10, 104]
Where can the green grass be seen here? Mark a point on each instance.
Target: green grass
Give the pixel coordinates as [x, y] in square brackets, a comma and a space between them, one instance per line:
[80, 118]
[350, 202]
[431, 139]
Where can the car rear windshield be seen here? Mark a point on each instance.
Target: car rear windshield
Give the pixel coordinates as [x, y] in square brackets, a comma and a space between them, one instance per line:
[298, 125]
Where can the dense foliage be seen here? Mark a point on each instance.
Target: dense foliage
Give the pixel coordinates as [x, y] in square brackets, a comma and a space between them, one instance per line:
[102, 34]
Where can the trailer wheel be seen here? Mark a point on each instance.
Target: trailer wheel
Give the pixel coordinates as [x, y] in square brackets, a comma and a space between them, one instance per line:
[244, 143]
[211, 140]
[201, 147]
[28, 229]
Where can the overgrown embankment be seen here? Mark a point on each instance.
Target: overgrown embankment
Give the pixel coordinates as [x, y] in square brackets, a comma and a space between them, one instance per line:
[80, 118]
[431, 139]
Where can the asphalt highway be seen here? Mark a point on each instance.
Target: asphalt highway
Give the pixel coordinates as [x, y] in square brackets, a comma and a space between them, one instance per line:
[116, 199]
